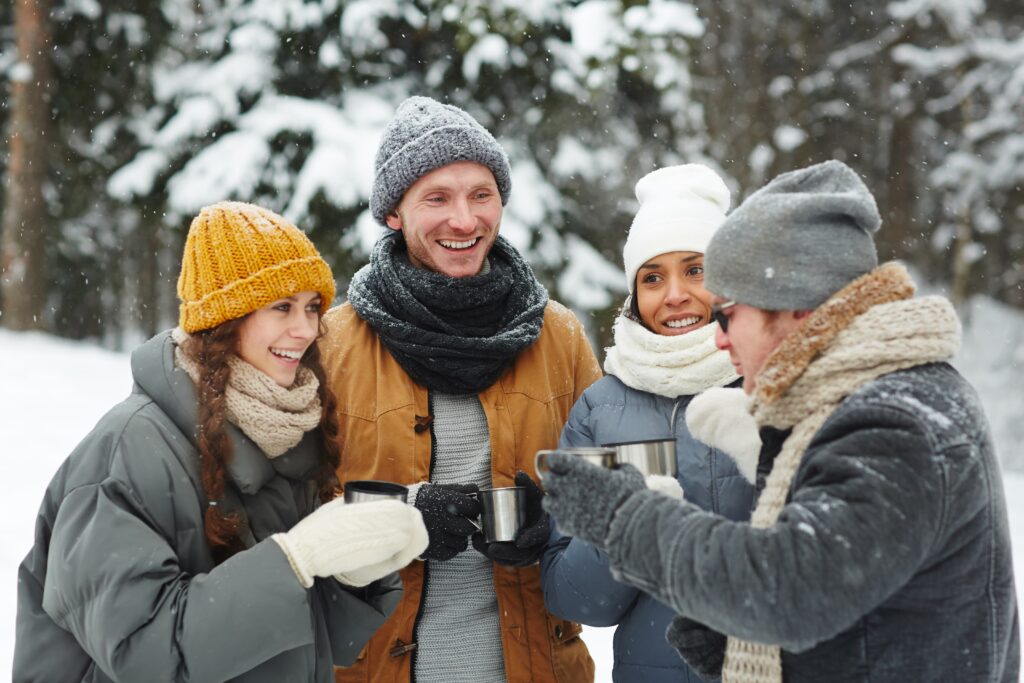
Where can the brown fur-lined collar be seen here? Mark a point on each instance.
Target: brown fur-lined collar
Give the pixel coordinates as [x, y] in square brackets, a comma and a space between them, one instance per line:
[889, 282]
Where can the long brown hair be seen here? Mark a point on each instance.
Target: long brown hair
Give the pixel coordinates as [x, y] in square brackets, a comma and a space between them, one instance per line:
[210, 350]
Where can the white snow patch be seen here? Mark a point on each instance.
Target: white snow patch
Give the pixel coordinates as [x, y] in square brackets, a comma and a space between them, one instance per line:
[491, 49]
[588, 278]
[194, 118]
[788, 138]
[575, 159]
[21, 72]
[360, 24]
[958, 14]
[596, 29]
[663, 18]
[137, 176]
[226, 169]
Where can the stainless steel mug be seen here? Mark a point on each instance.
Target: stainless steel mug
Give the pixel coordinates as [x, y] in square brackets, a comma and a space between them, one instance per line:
[602, 457]
[502, 512]
[366, 490]
[656, 456]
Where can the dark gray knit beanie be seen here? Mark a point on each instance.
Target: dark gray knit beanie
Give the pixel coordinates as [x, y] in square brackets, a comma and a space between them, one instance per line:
[423, 135]
[796, 241]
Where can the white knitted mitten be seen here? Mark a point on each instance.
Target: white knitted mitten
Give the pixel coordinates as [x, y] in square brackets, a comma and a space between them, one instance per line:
[418, 542]
[366, 539]
[719, 418]
[662, 483]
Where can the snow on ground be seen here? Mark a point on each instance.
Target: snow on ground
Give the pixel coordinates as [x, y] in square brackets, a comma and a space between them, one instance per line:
[52, 392]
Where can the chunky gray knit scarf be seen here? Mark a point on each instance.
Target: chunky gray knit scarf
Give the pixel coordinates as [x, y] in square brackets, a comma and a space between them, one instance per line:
[455, 335]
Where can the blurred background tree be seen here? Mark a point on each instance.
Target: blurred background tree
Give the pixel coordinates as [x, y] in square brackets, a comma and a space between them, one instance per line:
[25, 221]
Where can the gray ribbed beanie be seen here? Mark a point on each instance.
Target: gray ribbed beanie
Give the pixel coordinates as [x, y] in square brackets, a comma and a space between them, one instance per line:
[424, 135]
[796, 241]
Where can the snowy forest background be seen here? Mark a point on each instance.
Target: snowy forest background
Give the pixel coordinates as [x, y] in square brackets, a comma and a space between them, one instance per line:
[123, 118]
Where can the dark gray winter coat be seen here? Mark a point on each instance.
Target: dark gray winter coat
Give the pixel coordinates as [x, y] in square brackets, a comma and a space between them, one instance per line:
[120, 584]
[894, 543]
[577, 581]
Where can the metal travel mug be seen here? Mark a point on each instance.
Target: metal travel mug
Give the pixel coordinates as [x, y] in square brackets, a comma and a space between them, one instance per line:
[366, 490]
[656, 456]
[503, 512]
[602, 457]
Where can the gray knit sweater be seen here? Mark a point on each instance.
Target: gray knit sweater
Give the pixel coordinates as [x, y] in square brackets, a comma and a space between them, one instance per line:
[458, 634]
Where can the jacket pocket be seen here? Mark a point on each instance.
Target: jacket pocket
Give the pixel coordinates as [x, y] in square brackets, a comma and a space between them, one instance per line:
[563, 631]
[569, 657]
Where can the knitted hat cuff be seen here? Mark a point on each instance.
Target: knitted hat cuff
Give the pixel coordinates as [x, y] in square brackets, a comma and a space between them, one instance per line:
[662, 235]
[241, 297]
[460, 138]
[796, 241]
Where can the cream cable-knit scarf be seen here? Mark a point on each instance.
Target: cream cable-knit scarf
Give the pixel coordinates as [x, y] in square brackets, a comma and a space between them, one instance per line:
[274, 417]
[668, 366]
[868, 329]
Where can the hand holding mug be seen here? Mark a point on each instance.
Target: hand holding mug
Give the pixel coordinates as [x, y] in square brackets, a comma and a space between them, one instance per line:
[448, 511]
[533, 528]
[583, 498]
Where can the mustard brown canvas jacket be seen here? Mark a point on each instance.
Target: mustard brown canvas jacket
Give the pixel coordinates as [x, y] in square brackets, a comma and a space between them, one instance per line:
[384, 424]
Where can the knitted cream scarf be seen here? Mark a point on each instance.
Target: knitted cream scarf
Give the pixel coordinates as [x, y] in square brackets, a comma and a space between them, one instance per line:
[868, 329]
[274, 417]
[676, 366]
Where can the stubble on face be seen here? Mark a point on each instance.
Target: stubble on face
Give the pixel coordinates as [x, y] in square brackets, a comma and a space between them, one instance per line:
[450, 219]
[776, 326]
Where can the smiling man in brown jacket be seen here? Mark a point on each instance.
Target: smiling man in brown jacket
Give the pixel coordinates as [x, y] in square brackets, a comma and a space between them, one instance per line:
[452, 368]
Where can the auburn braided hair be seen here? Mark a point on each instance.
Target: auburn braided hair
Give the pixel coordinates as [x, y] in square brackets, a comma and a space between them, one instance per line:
[211, 349]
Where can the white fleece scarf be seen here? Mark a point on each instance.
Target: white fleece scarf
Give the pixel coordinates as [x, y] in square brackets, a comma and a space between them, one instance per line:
[868, 329]
[274, 417]
[673, 366]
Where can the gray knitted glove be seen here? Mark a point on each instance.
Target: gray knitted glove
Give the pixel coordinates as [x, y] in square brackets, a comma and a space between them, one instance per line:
[699, 646]
[583, 497]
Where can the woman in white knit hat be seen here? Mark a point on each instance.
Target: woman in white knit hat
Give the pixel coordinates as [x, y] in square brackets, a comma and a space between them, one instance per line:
[664, 354]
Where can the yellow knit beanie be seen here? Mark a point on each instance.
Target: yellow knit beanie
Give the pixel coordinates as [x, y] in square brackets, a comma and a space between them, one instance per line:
[240, 257]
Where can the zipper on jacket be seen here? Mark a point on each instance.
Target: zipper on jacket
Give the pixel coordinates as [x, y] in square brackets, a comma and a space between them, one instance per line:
[672, 420]
[426, 563]
[316, 637]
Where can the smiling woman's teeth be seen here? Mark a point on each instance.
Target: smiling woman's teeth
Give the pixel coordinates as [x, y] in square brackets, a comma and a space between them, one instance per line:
[448, 244]
[685, 322]
[290, 355]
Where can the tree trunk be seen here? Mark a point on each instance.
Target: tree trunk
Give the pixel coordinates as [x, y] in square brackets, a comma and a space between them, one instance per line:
[22, 242]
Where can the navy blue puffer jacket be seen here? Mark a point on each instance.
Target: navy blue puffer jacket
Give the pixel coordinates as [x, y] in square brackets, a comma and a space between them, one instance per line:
[577, 582]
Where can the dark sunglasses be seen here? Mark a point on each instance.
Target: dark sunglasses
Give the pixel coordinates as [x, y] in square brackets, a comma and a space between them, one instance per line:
[719, 317]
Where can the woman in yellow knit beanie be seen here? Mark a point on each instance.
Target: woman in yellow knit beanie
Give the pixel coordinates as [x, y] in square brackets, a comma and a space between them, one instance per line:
[195, 532]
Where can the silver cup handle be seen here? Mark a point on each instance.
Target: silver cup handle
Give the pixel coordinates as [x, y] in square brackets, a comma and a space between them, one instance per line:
[540, 463]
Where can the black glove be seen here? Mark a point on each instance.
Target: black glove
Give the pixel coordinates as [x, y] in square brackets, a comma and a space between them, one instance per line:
[583, 497]
[532, 537]
[701, 647]
[448, 511]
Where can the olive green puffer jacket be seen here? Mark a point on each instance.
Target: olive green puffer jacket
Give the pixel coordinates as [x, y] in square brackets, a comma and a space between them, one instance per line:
[120, 584]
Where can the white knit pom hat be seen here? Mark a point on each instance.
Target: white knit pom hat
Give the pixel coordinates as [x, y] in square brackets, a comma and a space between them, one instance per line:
[681, 207]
